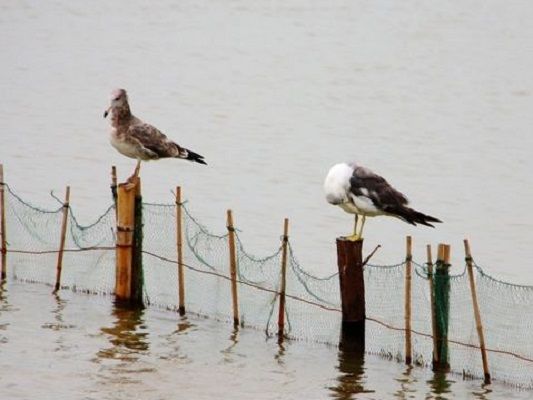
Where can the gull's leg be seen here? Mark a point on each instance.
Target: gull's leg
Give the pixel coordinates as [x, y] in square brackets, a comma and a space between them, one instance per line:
[362, 225]
[132, 178]
[354, 237]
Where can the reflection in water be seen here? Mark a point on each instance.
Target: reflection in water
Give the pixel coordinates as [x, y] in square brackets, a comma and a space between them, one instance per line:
[4, 306]
[440, 386]
[407, 385]
[351, 365]
[126, 337]
[228, 351]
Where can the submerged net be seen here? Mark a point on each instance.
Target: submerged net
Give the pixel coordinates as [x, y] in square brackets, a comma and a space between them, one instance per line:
[313, 310]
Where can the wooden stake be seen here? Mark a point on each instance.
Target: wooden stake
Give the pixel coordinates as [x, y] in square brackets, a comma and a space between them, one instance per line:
[442, 300]
[179, 243]
[432, 303]
[352, 289]
[281, 313]
[62, 241]
[233, 267]
[3, 232]
[125, 228]
[137, 277]
[114, 186]
[408, 270]
[477, 314]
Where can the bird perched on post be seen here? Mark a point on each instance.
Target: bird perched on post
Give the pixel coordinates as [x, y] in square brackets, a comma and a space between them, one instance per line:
[137, 139]
[358, 190]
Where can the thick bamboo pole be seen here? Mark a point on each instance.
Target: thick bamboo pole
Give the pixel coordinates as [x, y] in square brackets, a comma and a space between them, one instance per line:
[62, 241]
[432, 304]
[125, 228]
[477, 314]
[283, 286]
[233, 267]
[3, 231]
[408, 279]
[179, 244]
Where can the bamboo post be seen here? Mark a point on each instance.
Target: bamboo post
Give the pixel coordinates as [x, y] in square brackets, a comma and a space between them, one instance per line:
[3, 232]
[233, 267]
[179, 244]
[283, 286]
[477, 314]
[432, 303]
[62, 241]
[352, 288]
[408, 270]
[442, 307]
[125, 228]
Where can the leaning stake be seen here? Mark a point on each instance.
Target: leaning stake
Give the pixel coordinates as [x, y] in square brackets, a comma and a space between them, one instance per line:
[233, 267]
[477, 314]
[281, 314]
[408, 268]
[179, 244]
[3, 239]
[62, 242]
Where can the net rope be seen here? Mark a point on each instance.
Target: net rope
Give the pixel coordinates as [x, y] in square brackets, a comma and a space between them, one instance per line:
[313, 309]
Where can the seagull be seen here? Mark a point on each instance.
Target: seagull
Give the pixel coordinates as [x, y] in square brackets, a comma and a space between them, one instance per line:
[358, 190]
[137, 139]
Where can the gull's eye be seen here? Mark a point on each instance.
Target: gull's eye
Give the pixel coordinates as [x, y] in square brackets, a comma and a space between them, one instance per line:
[117, 98]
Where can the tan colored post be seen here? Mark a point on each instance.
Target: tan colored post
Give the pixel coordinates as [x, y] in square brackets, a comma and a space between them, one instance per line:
[432, 305]
[179, 244]
[477, 314]
[125, 227]
[3, 232]
[62, 241]
[408, 268]
[283, 286]
[233, 267]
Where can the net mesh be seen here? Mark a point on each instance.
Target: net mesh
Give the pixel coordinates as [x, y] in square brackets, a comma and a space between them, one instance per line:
[313, 309]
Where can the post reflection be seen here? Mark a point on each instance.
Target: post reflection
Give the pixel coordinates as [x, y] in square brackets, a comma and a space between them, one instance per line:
[127, 336]
[351, 356]
[440, 386]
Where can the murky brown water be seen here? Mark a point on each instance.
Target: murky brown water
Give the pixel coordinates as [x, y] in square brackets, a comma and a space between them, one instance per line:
[436, 98]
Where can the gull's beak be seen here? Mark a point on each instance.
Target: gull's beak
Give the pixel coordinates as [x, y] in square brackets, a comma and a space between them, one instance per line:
[106, 112]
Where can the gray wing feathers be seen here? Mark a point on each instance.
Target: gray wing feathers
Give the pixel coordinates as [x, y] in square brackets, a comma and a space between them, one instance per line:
[364, 182]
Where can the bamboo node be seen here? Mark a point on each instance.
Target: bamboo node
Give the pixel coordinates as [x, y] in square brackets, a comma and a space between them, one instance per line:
[285, 238]
[231, 228]
[409, 258]
[125, 229]
[469, 259]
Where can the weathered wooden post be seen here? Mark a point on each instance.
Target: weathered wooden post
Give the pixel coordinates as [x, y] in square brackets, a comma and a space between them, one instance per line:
[408, 271]
[64, 223]
[137, 277]
[477, 314]
[442, 307]
[3, 231]
[125, 232]
[179, 245]
[352, 288]
[283, 286]
[233, 267]
[432, 303]
[113, 186]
